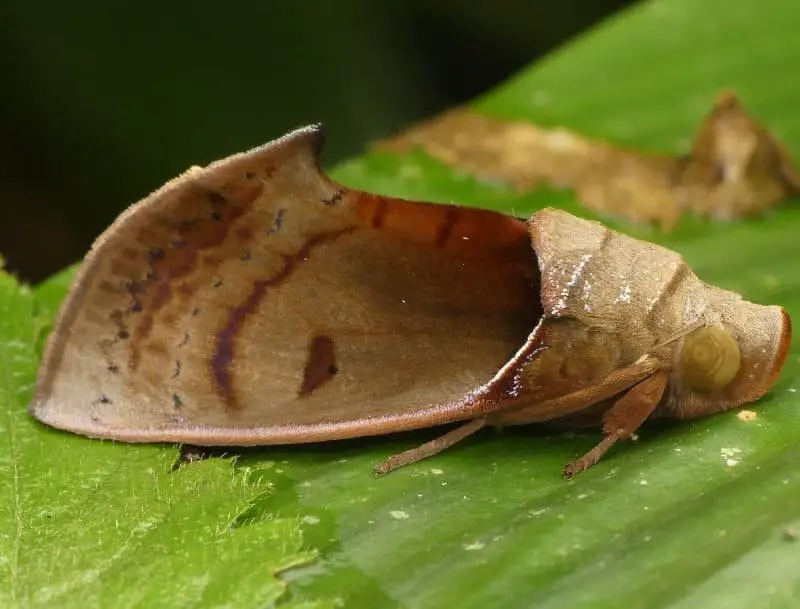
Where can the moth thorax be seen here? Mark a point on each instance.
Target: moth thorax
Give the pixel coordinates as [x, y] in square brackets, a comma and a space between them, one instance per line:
[710, 360]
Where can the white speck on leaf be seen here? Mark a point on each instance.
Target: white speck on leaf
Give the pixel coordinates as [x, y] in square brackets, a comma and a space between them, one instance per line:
[310, 520]
[436, 471]
[728, 454]
[475, 545]
[399, 514]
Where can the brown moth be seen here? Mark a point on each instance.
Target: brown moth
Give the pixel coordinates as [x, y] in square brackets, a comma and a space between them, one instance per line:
[258, 302]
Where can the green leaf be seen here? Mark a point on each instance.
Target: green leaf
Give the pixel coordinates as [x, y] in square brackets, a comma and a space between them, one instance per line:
[96, 524]
[691, 515]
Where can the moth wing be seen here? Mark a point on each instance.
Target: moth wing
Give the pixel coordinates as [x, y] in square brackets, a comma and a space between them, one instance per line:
[256, 301]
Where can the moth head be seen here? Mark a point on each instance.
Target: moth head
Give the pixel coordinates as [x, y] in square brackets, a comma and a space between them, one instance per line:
[732, 360]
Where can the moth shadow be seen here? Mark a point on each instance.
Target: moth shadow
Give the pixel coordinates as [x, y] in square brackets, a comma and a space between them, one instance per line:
[332, 450]
[502, 443]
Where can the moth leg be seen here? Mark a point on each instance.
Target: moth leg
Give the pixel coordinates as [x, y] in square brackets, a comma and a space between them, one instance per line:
[429, 449]
[615, 383]
[623, 419]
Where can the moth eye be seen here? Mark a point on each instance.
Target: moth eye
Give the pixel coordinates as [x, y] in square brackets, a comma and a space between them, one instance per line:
[710, 360]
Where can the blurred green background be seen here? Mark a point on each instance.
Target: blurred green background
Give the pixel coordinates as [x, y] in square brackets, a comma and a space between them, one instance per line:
[104, 101]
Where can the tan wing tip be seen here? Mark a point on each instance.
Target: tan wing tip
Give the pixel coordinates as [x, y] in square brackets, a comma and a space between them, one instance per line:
[40, 409]
[304, 144]
[316, 133]
[303, 147]
[64, 416]
[39, 405]
[313, 136]
[310, 138]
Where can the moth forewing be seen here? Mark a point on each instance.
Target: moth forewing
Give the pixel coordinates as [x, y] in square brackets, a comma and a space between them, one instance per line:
[257, 302]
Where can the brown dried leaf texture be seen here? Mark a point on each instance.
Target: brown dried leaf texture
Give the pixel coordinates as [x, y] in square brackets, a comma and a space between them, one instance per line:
[736, 167]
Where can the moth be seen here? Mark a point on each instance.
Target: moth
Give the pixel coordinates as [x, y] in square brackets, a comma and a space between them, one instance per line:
[258, 302]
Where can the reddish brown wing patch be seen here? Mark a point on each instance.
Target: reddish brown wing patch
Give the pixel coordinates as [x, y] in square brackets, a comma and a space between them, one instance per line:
[182, 245]
[321, 365]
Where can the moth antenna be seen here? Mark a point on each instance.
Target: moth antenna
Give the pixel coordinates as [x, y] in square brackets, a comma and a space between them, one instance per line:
[686, 330]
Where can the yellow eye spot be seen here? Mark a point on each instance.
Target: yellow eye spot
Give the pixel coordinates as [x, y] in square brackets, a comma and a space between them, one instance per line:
[710, 359]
